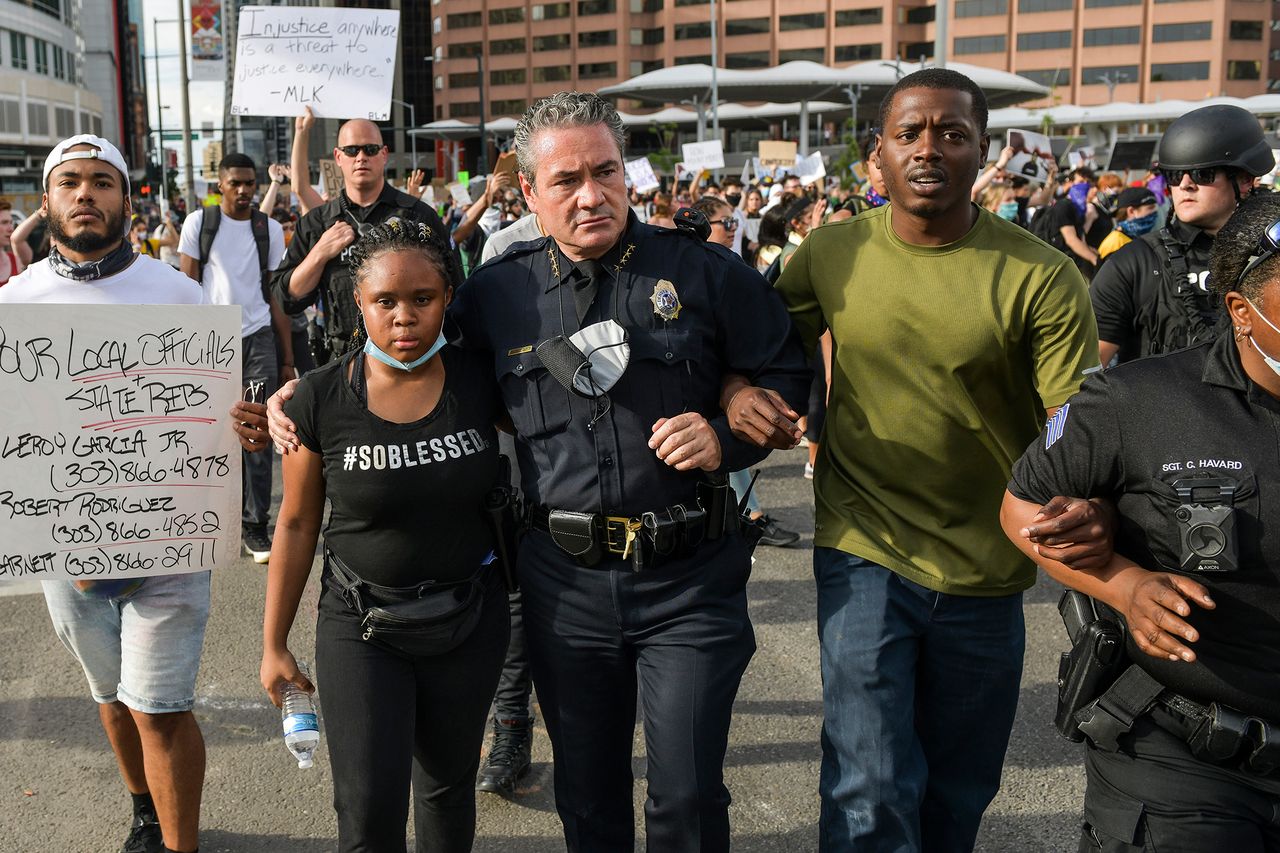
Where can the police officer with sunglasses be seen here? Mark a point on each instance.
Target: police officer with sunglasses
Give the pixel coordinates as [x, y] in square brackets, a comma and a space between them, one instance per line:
[315, 266]
[1183, 724]
[1152, 296]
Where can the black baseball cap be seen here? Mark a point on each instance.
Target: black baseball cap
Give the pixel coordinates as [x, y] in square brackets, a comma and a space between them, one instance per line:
[1135, 197]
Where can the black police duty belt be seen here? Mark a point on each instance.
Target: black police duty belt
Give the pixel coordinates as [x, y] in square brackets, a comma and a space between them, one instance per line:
[1215, 733]
[581, 534]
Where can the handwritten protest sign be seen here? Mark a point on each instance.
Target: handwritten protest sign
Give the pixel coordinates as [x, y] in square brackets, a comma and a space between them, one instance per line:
[641, 174]
[340, 62]
[117, 457]
[458, 191]
[702, 155]
[775, 153]
[331, 177]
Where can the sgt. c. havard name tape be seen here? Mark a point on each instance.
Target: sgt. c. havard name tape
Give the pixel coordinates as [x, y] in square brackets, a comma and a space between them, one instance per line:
[117, 457]
[339, 62]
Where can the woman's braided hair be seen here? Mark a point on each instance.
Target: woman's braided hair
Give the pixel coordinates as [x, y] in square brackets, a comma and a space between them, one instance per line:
[405, 235]
[400, 235]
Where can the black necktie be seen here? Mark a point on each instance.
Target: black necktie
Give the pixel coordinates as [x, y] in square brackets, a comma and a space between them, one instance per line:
[585, 285]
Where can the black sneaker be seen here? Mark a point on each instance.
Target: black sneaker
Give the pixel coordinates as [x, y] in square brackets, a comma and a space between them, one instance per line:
[145, 836]
[257, 543]
[509, 757]
[777, 535]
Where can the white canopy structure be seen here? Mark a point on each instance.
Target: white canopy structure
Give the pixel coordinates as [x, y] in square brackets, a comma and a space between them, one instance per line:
[864, 82]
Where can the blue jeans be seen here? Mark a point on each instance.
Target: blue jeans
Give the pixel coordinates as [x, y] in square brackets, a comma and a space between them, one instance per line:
[919, 690]
[259, 366]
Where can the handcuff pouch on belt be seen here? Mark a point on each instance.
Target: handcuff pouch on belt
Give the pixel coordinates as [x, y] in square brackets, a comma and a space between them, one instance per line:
[428, 619]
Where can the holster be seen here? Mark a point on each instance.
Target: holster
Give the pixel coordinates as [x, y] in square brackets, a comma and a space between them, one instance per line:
[715, 497]
[502, 509]
[1095, 659]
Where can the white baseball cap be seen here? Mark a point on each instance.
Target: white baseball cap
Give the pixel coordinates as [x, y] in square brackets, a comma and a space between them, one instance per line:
[106, 152]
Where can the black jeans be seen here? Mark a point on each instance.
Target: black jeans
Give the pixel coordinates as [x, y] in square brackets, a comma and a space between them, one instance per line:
[389, 717]
[515, 684]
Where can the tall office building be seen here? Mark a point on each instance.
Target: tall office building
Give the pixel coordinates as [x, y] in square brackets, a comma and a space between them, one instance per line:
[1092, 51]
[44, 92]
[113, 69]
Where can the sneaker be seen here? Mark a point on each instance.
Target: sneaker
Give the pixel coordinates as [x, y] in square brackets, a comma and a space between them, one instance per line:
[145, 836]
[777, 535]
[808, 470]
[257, 543]
[509, 756]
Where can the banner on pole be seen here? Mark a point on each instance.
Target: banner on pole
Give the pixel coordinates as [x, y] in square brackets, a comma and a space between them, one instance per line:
[340, 62]
[208, 42]
[117, 457]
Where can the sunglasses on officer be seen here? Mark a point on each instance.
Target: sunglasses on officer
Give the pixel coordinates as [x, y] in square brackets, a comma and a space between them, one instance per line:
[1199, 177]
[728, 223]
[370, 149]
[1268, 246]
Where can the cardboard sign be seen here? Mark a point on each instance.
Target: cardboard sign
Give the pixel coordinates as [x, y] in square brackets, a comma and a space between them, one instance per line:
[702, 155]
[775, 153]
[506, 164]
[811, 169]
[1033, 155]
[640, 173]
[340, 62]
[331, 178]
[458, 191]
[117, 457]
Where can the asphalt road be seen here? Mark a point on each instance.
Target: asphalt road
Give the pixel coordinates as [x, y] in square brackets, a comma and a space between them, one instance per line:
[61, 790]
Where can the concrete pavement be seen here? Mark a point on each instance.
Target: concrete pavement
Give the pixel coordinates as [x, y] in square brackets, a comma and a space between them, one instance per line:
[62, 791]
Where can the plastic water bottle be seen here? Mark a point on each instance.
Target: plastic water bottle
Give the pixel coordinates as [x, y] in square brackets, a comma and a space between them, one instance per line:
[301, 728]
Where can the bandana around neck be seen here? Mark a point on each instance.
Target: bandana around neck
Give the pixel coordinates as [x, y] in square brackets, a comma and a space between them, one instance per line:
[115, 261]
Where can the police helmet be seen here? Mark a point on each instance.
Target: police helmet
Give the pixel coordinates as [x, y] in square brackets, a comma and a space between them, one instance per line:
[1218, 135]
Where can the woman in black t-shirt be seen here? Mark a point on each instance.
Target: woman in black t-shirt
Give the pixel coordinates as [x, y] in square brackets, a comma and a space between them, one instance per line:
[400, 438]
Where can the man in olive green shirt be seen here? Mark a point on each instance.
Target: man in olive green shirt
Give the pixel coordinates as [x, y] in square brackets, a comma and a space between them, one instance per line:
[954, 332]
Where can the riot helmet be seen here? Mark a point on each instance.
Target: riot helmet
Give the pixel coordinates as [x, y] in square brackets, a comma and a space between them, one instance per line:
[1217, 135]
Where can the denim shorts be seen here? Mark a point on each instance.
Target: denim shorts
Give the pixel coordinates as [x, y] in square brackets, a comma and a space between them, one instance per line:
[142, 649]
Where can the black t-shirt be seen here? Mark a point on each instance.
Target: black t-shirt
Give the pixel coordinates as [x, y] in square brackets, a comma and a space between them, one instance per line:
[1062, 214]
[407, 499]
[1130, 434]
[1103, 225]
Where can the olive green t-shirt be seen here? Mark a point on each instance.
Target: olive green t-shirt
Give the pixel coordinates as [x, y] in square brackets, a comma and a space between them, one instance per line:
[945, 359]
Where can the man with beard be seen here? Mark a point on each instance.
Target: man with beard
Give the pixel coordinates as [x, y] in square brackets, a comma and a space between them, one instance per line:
[955, 333]
[231, 250]
[315, 266]
[138, 640]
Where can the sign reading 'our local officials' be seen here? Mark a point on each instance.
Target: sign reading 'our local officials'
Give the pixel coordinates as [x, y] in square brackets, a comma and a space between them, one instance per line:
[339, 62]
[117, 457]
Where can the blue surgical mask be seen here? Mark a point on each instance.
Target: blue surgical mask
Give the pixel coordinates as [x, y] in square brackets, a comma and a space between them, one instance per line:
[372, 349]
[1141, 225]
[1008, 210]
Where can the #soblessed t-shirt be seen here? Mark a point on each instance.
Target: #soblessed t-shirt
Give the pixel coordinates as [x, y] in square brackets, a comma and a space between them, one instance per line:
[233, 275]
[407, 499]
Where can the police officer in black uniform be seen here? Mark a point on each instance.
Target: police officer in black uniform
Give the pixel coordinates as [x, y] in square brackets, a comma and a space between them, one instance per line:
[315, 265]
[1151, 295]
[1184, 745]
[611, 339]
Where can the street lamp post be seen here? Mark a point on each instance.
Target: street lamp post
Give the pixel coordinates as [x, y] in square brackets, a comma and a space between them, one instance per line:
[186, 108]
[482, 163]
[413, 120]
[164, 166]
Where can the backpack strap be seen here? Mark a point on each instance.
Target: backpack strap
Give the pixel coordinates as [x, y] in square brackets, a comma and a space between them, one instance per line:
[262, 237]
[211, 218]
[1174, 256]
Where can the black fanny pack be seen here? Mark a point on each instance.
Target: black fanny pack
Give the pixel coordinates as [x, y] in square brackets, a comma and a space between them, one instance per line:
[428, 619]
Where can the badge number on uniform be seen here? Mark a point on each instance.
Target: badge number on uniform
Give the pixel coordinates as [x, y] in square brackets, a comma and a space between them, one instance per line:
[1057, 424]
[666, 302]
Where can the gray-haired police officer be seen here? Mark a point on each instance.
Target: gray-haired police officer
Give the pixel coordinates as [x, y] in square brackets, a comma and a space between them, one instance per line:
[613, 469]
[1184, 745]
[611, 340]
